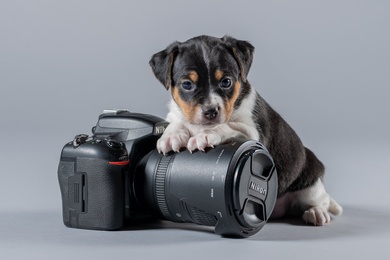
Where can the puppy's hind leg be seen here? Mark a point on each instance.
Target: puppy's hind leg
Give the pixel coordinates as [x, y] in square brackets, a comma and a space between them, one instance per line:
[314, 200]
[317, 204]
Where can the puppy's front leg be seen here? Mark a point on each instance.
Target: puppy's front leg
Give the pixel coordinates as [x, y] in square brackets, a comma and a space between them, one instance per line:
[175, 137]
[222, 133]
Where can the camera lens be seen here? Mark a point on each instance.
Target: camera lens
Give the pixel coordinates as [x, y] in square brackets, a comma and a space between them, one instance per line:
[232, 187]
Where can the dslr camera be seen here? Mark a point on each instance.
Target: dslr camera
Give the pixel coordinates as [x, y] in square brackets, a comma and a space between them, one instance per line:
[116, 176]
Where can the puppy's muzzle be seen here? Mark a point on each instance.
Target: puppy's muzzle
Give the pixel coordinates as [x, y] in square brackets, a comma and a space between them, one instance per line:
[210, 112]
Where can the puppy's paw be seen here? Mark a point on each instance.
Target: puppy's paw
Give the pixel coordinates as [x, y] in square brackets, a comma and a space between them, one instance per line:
[317, 216]
[172, 141]
[202, 140]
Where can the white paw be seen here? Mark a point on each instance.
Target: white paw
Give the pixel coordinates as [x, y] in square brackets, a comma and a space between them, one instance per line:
[317, 216]
[204, 139]
[172, 141]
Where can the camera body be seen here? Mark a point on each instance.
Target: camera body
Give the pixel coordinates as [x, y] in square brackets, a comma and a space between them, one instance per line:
[94, 173]
[117, 176]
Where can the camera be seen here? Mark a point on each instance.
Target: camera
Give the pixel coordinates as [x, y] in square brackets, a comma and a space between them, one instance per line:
[116, 176]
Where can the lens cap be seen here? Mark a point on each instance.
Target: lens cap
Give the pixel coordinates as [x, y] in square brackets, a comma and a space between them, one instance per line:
[255, 189]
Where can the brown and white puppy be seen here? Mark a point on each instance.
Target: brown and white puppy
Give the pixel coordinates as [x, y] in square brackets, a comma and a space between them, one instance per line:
[212, 101]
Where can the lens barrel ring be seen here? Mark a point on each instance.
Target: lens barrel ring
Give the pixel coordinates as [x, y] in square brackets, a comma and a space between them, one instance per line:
[161, 171]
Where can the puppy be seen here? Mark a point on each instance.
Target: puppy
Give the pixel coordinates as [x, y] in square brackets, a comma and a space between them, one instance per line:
[212, 101]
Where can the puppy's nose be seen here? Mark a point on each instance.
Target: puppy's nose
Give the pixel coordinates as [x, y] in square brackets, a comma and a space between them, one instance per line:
[210, 112]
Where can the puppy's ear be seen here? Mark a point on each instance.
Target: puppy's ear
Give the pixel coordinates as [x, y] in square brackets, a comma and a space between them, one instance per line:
[242, 52]
[162, 63]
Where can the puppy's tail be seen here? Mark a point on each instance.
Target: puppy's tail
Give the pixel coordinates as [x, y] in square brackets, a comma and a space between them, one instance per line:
[335, 208]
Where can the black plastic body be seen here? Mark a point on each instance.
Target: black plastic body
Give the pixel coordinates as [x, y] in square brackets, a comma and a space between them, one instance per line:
[91, 181]
[95, 193]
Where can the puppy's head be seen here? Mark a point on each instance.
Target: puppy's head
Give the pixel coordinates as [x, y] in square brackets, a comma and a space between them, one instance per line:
[206, 75]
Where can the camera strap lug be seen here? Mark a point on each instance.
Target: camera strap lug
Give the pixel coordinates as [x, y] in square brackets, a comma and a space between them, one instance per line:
[80, 139]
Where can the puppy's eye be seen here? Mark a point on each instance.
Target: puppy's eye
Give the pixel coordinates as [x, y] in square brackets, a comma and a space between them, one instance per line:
[225, 83]
[187, 85]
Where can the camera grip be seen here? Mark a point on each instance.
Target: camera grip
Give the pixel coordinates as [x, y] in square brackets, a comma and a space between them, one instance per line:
[92, 193]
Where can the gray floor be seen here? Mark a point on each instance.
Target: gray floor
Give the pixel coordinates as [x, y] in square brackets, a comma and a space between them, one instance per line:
[360, 233]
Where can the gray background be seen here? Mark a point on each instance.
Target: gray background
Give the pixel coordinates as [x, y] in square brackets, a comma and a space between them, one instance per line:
[324, 65]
